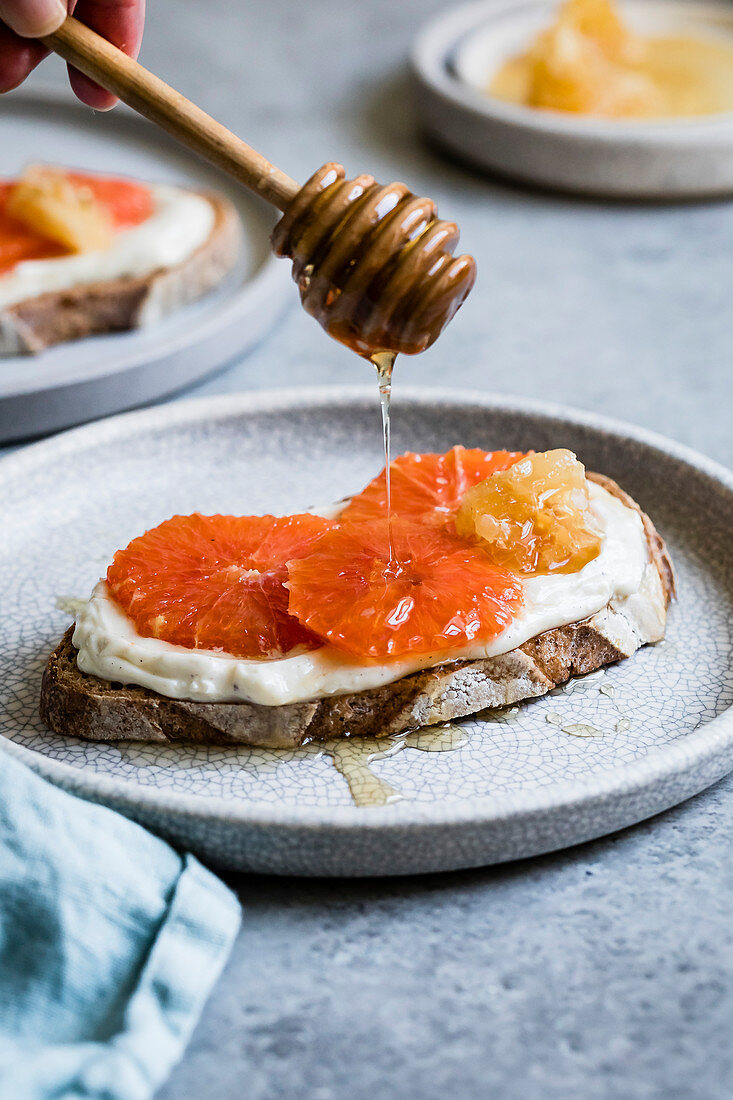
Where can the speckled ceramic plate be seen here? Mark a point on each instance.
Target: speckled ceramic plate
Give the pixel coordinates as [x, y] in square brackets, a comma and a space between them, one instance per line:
[617, 748]
[86, 379]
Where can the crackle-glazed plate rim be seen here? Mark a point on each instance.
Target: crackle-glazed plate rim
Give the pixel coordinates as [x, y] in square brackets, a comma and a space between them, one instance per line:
[707, 742]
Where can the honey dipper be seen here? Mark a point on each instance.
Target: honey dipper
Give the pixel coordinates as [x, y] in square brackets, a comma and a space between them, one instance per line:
[374, 265]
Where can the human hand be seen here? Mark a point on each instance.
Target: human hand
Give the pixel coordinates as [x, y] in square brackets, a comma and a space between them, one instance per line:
[119, 21]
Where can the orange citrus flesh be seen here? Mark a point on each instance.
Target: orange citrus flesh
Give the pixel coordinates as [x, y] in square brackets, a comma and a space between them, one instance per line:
[47, 202]
[441, 596]
[216, 582]
[126, 203]
[534, 517]
[427, 488]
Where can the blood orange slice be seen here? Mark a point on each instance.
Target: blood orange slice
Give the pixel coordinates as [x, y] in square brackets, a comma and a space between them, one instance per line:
[441, 596]
[428, 488]
[126, 202]
[216, 582]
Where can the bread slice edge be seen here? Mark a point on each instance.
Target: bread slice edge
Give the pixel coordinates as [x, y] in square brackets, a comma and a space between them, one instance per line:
[130, 302]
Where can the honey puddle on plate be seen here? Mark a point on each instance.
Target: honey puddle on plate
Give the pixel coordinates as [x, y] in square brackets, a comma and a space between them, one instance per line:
[352, 758]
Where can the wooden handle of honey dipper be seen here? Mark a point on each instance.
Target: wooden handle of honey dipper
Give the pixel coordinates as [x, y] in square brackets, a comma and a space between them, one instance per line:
[157, 101]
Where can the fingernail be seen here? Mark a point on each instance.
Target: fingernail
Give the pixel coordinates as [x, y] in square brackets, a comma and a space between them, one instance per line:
[33, 18]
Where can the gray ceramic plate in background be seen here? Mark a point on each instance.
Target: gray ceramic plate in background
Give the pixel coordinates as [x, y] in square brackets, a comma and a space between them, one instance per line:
[458, 51]
[518, 787]
[90, 378]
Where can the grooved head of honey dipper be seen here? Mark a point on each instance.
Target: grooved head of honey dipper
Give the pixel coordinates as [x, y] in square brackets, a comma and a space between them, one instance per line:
[374, 265]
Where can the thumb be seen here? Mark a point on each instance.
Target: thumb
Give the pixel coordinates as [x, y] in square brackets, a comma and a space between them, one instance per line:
[32, 18]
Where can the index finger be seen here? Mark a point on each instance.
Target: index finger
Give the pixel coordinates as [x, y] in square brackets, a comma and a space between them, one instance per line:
[121, 23]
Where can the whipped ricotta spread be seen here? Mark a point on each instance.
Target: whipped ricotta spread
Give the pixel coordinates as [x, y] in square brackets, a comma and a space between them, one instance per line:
[111, 649]
[181, 221]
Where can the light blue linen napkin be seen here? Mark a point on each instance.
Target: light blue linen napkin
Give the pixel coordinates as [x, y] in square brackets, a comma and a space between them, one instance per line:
[110, 942]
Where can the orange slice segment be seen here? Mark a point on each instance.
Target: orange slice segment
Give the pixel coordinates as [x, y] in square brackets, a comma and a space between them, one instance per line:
[216, 582]
[427, 488]
[441, 596]
[125, 202]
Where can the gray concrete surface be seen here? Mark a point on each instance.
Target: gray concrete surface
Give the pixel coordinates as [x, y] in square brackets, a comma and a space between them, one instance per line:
[603, 972]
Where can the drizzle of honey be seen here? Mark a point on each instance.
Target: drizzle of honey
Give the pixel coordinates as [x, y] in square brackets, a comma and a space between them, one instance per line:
[499, 714]
[352, 756]
[573, 729]
[581, 729]
[585, 729]
[384, 362]
[445, 738]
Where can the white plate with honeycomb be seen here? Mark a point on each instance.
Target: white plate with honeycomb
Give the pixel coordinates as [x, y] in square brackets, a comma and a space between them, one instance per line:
[458, 54]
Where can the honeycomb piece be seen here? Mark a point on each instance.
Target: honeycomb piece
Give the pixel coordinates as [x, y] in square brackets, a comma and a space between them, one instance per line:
[48, 202]
[535, 517]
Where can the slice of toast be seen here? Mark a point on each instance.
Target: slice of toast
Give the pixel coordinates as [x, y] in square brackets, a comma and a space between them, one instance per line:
[117, 305]
[74, 703]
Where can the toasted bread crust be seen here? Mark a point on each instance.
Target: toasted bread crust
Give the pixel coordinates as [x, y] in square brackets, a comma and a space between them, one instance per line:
[85, 706]
[655, 542]
[117, 305]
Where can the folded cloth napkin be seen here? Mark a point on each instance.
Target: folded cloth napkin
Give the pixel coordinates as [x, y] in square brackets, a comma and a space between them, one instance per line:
[110, 942]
